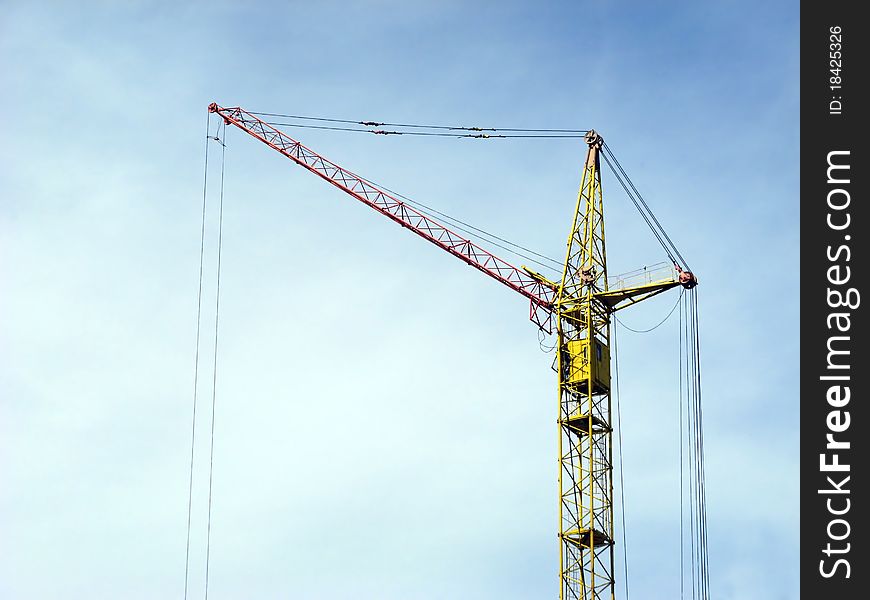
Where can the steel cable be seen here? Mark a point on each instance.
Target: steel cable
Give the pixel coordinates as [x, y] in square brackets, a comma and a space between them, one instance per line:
[660, 323]
[370, 123]
[696, 499]
[625, 186]
[621, 468]
[215, 363]
[483, 233]
[196, 359]
[682, 493]
[702, 488]
[661, 229]
[432, 133]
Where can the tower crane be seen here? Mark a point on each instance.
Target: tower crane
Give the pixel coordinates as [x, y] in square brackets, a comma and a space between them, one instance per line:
[579, 307]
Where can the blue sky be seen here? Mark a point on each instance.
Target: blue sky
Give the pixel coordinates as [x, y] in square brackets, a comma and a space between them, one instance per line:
[385, 417]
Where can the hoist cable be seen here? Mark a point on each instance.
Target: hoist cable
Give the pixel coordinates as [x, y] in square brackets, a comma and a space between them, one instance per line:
[680, 402]
[215, 359]
[196, 360]
[691, 456]
[621, 468]
[696, 498]
[702, 497]
[370, 123]
[696, 459]
[696, 517]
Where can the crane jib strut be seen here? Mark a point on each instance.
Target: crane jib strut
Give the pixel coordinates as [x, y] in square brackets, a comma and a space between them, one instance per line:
[580, 306]
[538, 290]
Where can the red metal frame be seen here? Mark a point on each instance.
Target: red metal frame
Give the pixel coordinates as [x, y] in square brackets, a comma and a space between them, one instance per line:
[540, 295]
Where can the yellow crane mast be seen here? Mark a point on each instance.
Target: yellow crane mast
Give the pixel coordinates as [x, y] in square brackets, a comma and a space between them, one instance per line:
[583, 307]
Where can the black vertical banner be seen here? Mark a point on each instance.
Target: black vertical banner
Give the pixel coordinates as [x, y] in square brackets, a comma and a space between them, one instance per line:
[835, 369]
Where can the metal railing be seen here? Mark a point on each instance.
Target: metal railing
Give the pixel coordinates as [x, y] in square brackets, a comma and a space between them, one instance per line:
[645, 275]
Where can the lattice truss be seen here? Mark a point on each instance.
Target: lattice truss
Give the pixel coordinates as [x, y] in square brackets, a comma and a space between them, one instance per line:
[585, 449]
[539, 294]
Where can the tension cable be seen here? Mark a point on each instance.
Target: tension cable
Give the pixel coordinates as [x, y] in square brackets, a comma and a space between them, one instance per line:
[370, 123]
[644, 209]
[217, 301]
